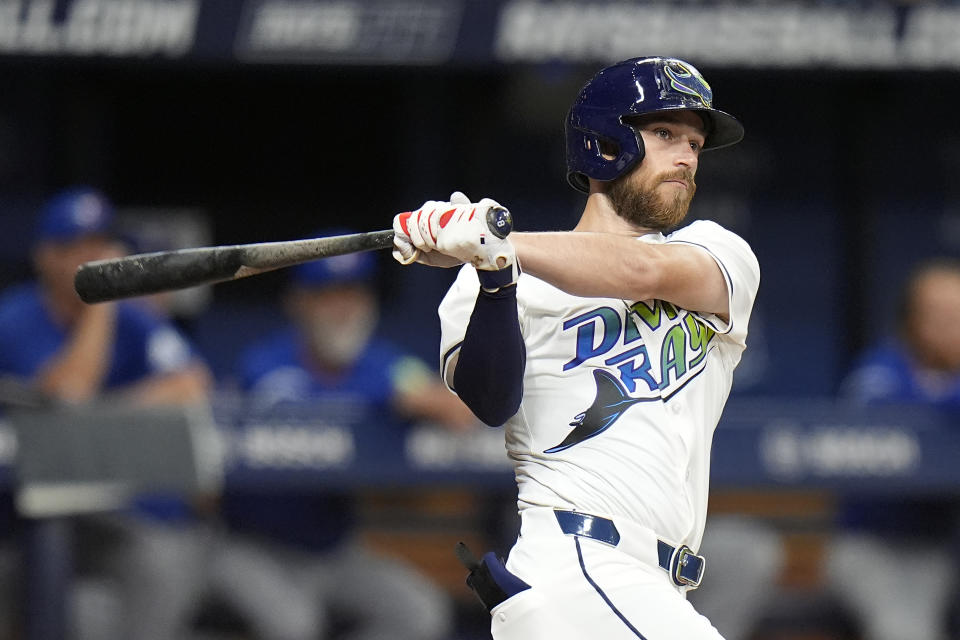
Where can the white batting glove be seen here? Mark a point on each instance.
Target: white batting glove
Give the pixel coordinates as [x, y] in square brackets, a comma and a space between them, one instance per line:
[446, 234]
[463, 232]
[414, 238]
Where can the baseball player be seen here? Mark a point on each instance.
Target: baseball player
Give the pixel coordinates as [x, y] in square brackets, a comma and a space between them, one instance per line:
[608, 360]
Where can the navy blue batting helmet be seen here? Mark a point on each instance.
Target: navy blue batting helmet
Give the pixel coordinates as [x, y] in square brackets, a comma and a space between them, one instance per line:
[635, 87]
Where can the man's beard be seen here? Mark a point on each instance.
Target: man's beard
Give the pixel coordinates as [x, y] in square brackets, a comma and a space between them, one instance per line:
[643, 207]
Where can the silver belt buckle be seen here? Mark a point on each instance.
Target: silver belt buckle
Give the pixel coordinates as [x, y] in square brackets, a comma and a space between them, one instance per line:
[681, 559]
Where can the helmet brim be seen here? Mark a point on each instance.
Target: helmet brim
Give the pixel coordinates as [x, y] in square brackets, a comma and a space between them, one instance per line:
[725, 130]
[722, 129]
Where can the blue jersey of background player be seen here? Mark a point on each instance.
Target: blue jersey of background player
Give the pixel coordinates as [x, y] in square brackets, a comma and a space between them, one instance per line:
[31, 338]
[889, 373]
[920, 363]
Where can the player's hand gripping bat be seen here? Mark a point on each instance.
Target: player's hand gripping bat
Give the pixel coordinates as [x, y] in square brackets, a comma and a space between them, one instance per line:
[147, 273]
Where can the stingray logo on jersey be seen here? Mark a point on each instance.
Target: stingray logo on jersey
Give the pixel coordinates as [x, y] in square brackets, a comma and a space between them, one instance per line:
[611, 401]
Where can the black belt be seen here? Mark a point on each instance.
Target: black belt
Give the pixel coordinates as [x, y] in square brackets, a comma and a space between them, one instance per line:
[684, 566]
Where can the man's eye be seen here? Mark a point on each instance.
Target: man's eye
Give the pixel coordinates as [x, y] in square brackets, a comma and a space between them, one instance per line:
[696, 146]
[662, 133]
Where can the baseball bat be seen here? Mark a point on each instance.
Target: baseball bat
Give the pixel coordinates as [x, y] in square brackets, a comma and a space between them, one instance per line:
[147, 273]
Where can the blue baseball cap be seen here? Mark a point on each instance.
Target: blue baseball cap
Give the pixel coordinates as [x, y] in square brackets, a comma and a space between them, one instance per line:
[350, 268]
[74, 213]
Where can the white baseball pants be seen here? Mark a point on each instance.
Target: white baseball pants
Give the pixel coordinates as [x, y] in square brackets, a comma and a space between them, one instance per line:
[583, 588]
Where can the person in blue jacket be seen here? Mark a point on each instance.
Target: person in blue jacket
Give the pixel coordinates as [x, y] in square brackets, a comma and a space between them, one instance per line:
[893, 561]
[291, 564]
[118, 352]
[77, 352]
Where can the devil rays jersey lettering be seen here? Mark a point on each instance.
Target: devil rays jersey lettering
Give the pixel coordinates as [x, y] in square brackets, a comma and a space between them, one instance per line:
[621, 397]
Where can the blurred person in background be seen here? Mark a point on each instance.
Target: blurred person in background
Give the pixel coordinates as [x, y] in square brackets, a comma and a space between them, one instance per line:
[892, 565]
[291, 565]
[138, 569]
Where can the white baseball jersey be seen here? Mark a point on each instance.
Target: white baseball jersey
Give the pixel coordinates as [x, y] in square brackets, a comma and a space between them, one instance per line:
[621, 397]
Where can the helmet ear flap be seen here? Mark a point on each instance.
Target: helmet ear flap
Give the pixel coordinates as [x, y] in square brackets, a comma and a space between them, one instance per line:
[619, 155]
[609, 153]
[599, 146]
[637, 157]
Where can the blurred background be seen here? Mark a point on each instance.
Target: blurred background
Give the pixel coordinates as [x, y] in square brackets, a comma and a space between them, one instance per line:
[197, 122]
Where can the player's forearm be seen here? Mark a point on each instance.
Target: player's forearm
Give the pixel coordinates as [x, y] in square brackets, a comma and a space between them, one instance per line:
[589, 264]
[607, 265]
[76, 373]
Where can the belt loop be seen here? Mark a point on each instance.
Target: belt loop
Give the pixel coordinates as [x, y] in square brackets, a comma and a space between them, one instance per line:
[587, 526]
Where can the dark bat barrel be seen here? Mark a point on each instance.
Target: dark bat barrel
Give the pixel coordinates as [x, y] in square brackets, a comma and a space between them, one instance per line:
[155, 272]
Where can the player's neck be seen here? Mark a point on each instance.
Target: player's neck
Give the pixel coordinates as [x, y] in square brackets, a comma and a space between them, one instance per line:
[599, 216]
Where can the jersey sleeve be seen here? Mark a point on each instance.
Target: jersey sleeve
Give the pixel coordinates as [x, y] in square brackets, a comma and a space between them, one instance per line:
[454, 311]
[740, 270]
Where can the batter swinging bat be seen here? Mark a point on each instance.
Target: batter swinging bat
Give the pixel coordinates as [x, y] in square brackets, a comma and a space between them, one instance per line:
[148, 273]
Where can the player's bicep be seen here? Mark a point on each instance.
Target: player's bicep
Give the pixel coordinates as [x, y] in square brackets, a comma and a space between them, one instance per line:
[689, 277]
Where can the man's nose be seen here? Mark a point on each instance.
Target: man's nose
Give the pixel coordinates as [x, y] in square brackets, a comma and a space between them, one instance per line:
[686, 157]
